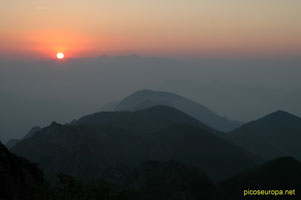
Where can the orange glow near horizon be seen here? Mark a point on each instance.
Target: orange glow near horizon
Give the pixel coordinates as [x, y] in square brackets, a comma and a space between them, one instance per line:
[46, 44]
[51, 42]
[185, 28]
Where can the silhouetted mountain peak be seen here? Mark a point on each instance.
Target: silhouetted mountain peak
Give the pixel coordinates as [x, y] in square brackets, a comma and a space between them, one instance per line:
[55, 130]
[157, 110]
[162, 108]
[280, 115]
[274, 135]
[146, 98]
[280, 112]
[277, 118]
[54, 123]
[97, 141]
[148, 91]
[142, 121]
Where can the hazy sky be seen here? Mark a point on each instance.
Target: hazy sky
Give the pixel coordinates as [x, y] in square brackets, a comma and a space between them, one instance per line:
[38, 29]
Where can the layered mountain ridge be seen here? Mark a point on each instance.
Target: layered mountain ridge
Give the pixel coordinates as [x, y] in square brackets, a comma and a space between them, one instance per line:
[274, 135]
[87, 147]
[147, 98]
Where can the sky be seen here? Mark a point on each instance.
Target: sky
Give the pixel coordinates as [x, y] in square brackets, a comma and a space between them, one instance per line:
[39, 29]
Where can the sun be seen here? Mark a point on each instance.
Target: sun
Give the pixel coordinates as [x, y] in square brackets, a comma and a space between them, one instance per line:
[60, 55]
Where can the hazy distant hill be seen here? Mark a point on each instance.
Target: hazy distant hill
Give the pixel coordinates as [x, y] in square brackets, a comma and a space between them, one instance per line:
[147, 98]
[237, 100]
[282, 173]
[19, 179]
[277, 134]
[87, 147]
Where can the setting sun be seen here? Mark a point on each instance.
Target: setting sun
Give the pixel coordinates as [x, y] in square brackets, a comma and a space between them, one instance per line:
[60, 55]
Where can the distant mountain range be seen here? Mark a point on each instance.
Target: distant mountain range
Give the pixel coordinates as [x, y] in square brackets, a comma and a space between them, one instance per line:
[154, 153]
[141, 128]
[147, 98]
[87, 147]
[237, 100]
[277, 134]
[154, 144]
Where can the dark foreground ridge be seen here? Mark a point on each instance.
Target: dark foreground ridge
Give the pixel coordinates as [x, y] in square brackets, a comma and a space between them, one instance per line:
[87, 147]
[19, 178]
[169, 180]
[151, 180]
[279, 174]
